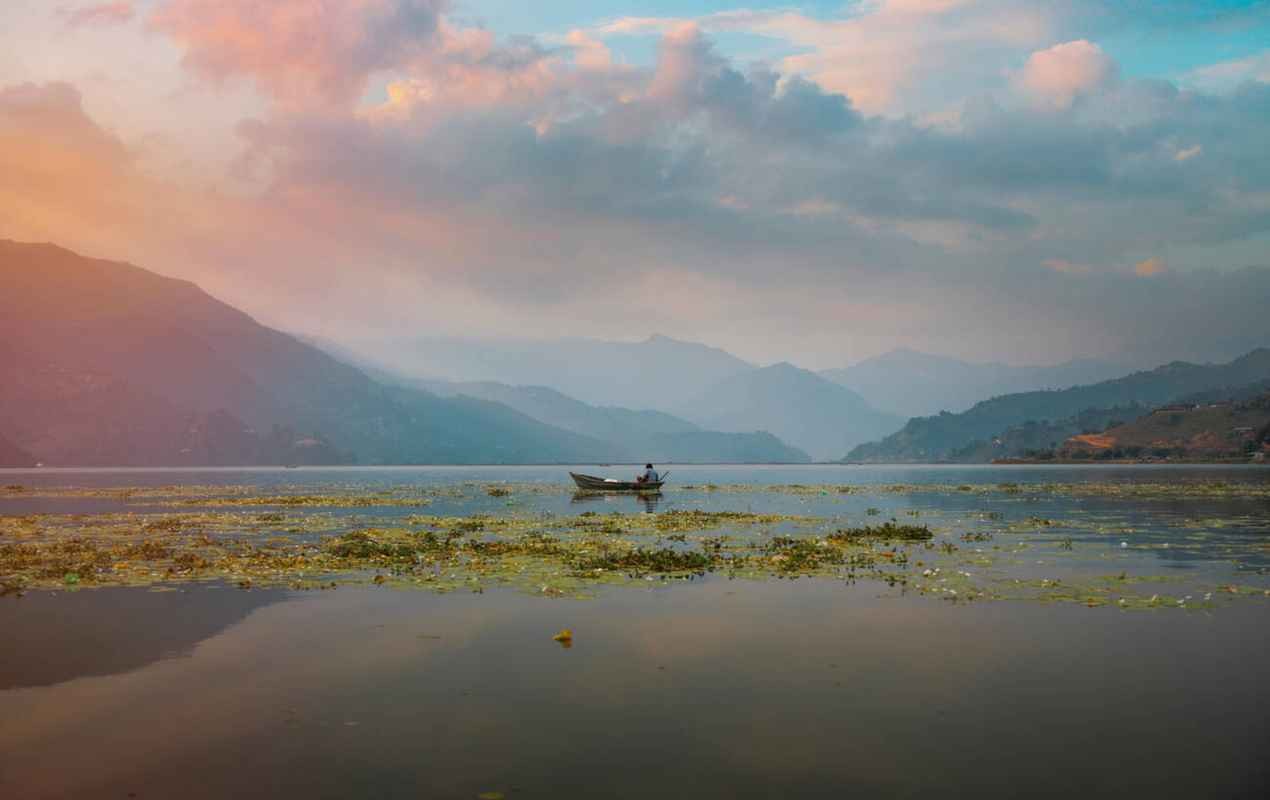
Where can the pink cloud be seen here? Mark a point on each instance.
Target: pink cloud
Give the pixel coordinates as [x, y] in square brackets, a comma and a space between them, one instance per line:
[99, 15]
[300, 51]
[1056, 75]
[468, 68]
[882, 52]
[1149, 268]
[65, 177]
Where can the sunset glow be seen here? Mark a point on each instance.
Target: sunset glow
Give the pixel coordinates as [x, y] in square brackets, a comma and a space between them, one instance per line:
[846, 178]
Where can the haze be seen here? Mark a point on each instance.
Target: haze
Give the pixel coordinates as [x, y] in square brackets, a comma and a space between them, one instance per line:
[820, 183]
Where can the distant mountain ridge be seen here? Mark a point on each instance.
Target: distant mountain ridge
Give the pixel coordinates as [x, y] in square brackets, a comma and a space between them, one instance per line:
[643, 435]
[104, 362]
[914, 384]
[703, 385]
[935, 438]
[795, 405]
[649, 374]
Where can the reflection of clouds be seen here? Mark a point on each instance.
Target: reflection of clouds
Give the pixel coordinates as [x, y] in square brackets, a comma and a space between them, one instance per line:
[718, 688]
[234, 687]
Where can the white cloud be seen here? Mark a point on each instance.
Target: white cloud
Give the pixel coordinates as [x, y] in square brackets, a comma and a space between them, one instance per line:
[1226, 75]
[1187, 153]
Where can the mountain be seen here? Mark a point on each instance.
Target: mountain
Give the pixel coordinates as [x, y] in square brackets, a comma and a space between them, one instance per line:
[798, 406]
[654, 373]
[104, 362]
[1033, 439]
[915, 384]
[554, 408]
[934, 438]
[722, 448]
[13, 456]
[1224, 429]
[643, 435]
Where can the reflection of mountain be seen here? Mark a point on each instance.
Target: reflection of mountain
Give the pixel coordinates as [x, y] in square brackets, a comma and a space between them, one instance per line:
[914, 384]
[935, 438]
[54, 637]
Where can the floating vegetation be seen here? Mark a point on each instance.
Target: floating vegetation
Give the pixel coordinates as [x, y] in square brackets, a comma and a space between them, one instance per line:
[318, 539]
[362, 496]
[887, 531]
[1125, 489]
[313, 501]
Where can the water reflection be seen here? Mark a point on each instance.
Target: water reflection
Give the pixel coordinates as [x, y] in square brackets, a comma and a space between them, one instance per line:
[50, 637]
[710, 689]
[648, 502]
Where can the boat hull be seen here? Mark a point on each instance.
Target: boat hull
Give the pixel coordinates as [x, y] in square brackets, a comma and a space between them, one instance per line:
[591, 483]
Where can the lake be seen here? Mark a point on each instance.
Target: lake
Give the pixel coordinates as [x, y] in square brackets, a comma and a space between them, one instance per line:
[805, 631]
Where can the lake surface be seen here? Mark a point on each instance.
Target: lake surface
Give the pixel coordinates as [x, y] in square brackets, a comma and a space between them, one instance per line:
[1013, 670]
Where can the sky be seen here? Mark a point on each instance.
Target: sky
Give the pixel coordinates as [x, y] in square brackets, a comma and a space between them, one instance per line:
[820, 182]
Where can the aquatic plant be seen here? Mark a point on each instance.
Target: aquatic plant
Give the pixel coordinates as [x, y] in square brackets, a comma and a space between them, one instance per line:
[304, 546]
[887, 531]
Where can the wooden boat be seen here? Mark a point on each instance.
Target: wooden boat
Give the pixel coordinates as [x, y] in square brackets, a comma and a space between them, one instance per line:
[590, 483]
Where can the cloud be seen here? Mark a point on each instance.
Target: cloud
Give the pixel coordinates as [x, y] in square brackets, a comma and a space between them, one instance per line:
[1225, 75]
[300, 51]
[98, 15]
[1149, 268]
[1187, 153]
[514, 185]
[58, 164]
[1057, 75]
[887, 56]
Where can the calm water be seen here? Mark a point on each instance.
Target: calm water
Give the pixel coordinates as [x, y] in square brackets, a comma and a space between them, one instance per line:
[708, 688]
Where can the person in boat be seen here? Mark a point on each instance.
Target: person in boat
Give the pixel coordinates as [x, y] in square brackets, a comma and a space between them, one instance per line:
[649, 476]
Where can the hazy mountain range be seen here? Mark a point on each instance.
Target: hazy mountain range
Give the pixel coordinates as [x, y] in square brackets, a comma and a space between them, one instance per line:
[106, 363]
[656, 373]
[656, 435]
[798, 406]
[914, 384]
[822, 413]
[937, 438]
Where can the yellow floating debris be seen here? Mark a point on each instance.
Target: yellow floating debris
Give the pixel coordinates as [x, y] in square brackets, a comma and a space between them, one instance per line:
[564, 637]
